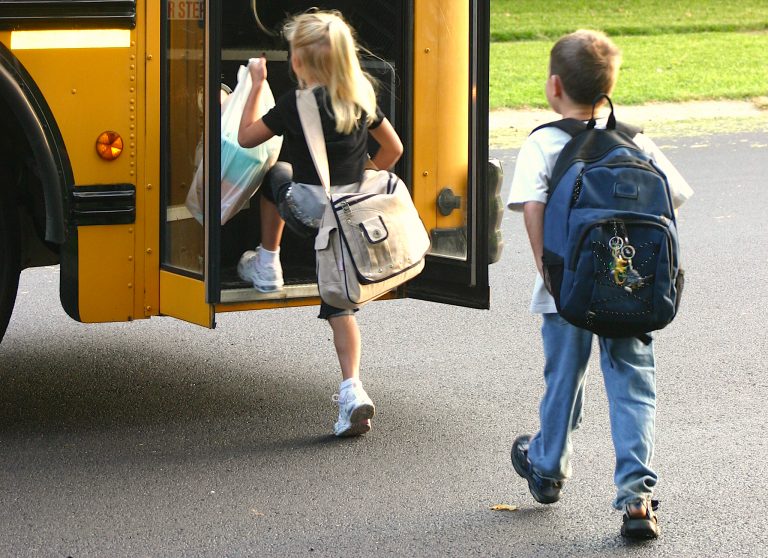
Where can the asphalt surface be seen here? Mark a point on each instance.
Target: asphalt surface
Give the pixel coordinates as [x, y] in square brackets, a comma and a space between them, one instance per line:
[158, 438]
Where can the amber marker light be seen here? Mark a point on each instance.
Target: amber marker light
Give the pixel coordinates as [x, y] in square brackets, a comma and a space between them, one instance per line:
[109, 145]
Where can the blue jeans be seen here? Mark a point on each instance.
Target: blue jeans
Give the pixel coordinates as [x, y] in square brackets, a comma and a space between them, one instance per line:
[629, 374]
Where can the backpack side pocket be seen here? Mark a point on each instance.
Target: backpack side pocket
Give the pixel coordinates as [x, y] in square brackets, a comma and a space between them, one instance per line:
[552, 267]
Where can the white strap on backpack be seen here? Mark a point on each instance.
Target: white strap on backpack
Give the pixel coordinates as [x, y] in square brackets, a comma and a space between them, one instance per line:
[309, 115]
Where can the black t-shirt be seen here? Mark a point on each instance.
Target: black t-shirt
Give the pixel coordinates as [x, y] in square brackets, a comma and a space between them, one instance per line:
[346, 152]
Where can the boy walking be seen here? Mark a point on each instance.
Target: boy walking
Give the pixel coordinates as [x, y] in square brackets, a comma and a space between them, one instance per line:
[583, 65]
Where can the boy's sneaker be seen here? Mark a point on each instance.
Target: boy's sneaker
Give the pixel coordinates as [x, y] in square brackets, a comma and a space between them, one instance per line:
[355, 412]
[543, 490]
[639, 521]
[266, 279]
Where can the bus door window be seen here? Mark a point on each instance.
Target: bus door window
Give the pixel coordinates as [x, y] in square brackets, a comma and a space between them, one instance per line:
[183, 241]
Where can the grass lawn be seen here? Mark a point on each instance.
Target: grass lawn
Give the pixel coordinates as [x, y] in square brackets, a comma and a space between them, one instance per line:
[513, 20]
[671, 67]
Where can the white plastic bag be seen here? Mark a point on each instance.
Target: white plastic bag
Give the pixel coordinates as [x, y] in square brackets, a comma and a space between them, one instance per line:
[242, 169]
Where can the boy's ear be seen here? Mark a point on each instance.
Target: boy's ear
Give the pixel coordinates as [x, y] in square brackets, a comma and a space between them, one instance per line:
[557, 85]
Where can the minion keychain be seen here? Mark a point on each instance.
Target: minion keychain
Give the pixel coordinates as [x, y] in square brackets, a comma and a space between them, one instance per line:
[619, 263]
[624, 275]
[632, 279]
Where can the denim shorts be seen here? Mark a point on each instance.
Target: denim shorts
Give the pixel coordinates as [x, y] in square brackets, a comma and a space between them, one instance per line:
[276, 184]
[275, 187]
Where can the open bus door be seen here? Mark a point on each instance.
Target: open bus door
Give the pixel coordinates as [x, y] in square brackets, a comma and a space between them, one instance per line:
[455, 186]
[189, 151]
[430, 59]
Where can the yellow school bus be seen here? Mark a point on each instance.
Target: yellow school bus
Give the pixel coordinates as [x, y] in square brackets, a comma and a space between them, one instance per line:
[107, 108]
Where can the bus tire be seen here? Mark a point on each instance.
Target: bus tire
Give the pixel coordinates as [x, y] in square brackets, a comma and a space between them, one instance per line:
[10, 242]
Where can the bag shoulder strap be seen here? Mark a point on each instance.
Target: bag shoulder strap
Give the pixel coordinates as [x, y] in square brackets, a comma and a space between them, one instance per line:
[572, 127]
[309, 115]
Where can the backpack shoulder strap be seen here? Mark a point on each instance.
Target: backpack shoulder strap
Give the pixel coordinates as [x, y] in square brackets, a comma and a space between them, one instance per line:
[573, 148]
[628, 129]
[570, 126]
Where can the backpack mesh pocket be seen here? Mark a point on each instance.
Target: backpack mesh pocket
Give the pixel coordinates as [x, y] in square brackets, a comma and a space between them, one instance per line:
[624, 298]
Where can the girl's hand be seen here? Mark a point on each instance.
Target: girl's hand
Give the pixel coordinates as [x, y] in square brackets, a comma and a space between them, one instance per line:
[258, 69]
[252, 130]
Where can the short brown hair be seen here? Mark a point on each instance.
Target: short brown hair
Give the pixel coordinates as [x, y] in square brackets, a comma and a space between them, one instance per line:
[587, 63]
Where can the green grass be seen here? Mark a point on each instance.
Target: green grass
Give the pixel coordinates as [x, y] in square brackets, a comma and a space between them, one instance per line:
[671, 67]
[513, 20]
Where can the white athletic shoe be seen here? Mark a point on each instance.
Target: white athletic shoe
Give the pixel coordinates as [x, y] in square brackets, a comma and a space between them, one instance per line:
[266, 279]
[355, 412]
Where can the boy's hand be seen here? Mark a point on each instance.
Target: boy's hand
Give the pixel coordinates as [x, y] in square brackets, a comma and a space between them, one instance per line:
[258, 69]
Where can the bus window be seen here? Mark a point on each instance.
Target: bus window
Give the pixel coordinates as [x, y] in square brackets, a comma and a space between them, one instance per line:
[184, 87]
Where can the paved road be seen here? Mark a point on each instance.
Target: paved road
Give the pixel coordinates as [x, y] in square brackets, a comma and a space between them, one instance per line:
[157, 438]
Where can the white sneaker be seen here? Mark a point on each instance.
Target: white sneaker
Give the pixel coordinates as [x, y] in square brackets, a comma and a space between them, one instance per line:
[355, 412]
[266, 279]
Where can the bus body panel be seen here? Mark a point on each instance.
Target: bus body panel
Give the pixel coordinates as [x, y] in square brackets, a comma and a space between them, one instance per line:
[90, 91]
[106, 273]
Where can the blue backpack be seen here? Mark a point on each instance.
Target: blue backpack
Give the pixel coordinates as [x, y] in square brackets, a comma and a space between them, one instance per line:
[611, 258]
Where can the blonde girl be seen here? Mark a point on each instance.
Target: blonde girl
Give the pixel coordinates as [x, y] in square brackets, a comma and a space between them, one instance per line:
[324, 58]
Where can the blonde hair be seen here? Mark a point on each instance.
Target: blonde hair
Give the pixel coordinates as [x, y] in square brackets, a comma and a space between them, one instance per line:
[587, 63]
[326, 46]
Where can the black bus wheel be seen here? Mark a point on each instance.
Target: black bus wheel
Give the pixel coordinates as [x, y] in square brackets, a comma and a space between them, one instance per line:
[9, 252]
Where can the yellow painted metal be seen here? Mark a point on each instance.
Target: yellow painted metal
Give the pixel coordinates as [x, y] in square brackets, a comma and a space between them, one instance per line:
[440, 107]
[183, 298]
[106, 290]
[149, 153]
[90, 91]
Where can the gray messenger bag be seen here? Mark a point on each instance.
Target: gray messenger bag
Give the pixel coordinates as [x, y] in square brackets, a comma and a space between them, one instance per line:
[370, 240]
